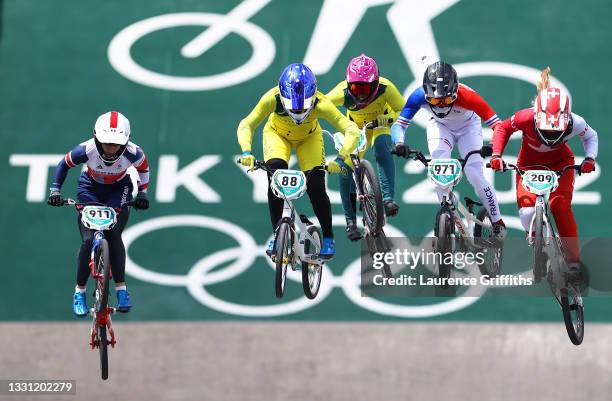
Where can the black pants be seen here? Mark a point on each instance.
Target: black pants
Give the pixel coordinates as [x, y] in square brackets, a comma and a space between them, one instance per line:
[316, 192]
[116, 249]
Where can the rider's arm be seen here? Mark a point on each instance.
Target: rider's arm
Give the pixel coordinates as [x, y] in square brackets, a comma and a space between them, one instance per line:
[329, 112]
[336, 95]
[469, 99]
[587, 135]
[137, 157]
[76, 156]
[249, 124]
[505, 129]
[413, 104]
[394, 99]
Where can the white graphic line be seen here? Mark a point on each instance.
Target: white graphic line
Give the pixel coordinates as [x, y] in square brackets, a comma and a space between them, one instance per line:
[215, 33]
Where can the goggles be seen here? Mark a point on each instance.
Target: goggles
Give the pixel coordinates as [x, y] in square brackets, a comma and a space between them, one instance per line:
[440, 101]
[362, 90]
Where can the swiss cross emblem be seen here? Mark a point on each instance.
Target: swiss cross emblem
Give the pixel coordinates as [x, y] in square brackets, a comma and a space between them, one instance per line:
[554, 93]
[552, 120]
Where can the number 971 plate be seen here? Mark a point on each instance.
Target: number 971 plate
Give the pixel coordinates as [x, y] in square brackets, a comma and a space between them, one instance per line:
[444, 172]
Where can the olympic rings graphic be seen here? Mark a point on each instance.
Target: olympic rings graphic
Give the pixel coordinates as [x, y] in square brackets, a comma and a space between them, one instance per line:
[243, 256]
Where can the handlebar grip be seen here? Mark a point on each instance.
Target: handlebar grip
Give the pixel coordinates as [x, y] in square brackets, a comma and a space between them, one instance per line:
[488, 165]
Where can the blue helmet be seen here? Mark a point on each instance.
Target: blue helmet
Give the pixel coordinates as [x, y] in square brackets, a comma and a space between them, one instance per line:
[298, 90]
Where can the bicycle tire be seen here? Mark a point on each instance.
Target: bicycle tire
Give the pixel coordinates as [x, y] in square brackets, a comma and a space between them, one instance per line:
[376, 244]
[311, 274]
[575, 329]
[443, 232]
[373, 214]
[103, 351]
[493, 267]
[539, 257]
[101, 256]
[283, 244]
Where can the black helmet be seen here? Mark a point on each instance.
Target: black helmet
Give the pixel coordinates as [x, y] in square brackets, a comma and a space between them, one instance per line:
[440, 81]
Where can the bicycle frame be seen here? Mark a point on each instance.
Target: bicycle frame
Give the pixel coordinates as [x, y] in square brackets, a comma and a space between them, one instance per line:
[298, 255]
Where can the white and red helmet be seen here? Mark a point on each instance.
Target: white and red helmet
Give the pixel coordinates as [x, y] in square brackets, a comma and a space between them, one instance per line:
[553, 115]
[113, 128]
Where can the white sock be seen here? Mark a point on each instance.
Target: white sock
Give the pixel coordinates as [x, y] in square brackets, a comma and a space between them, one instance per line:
[121, 287]
[77, 289]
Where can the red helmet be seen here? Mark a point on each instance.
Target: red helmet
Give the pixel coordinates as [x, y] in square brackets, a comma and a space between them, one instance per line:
[553, 115]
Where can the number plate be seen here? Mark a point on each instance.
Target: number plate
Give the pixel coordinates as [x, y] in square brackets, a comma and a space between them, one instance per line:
[444, 172]
[540, 182]
[290, 184]
[98, 217]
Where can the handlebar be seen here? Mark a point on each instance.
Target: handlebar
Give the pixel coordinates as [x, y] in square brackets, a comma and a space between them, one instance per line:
[260, 165]
[374, 124]
[72, 202]
[485, 151]
[510, 166]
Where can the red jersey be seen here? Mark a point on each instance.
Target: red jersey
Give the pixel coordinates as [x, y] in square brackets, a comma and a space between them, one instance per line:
[533, 151]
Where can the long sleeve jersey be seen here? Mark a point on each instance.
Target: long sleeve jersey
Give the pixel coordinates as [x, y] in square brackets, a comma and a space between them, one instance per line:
[270, 106]
[533, 151]
[468, 104]
[100, 172]
[388, 100]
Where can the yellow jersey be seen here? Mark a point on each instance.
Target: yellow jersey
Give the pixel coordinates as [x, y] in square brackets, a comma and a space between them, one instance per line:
[388, 100]
[270, 106]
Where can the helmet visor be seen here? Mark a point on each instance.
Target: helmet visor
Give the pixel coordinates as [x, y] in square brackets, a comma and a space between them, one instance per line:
[440, 101]
[298, 114]
[362, 90]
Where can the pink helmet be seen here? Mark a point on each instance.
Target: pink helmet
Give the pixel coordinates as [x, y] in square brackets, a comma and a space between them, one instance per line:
[362, 80]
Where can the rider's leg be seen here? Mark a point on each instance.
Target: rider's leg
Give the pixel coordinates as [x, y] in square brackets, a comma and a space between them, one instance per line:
[470, 140]
[311, 157]
[347, 194]
[117, 249]
[88, 192]
[275, 204]
[526, 202]
[276, 155]
[440, 142]
[560, 203]
[386, 167]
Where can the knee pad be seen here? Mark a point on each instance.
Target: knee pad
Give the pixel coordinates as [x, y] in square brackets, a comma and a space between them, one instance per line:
[526, 214]
[276, 164]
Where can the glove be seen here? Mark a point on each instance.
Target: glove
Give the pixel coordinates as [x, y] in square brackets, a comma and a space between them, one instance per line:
[248, 160]
[497, 163]
[55, 198]
[141, 202]
[383, 120]
[338, 166]
[587, 165]
[402, 150]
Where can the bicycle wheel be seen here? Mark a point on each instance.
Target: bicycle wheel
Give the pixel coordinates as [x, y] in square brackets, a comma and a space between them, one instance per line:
[492, 263]
[283, 255]
[573, 314]
[443, 232]
[372, 203]
[102, 270]
[379, 243]
[311, 274]
[103, 348]
[539, 256]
